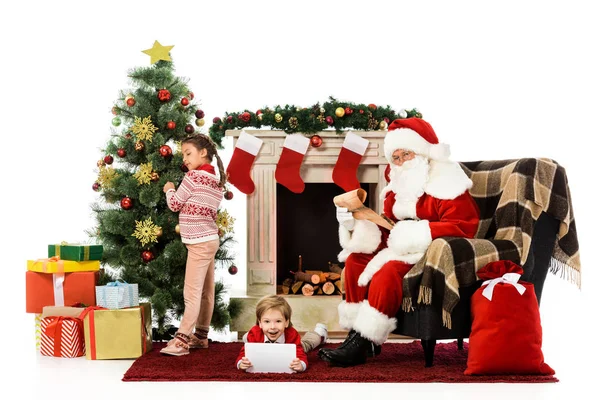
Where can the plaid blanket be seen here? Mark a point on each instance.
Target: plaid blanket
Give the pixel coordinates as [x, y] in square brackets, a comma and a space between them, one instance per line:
[511, 195]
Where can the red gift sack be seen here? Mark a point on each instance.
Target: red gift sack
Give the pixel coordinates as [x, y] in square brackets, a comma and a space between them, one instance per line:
[506, 332]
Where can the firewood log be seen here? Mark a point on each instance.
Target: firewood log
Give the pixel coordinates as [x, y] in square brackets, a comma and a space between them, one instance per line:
[285, 286]
[333, 276]
[296, 286]
[335, 268]
[306, 277]
[338, 284]
[328, 288]
[308, 289]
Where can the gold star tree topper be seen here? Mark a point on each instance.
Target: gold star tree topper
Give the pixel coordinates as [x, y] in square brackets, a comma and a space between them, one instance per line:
[158, 52]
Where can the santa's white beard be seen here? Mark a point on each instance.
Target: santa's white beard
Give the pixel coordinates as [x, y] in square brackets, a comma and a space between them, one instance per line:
[408, 182]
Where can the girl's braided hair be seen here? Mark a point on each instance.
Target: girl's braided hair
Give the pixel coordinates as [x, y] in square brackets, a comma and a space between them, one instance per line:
[201, 141]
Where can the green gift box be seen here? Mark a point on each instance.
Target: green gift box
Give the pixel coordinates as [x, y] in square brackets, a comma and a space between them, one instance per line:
[75, 251]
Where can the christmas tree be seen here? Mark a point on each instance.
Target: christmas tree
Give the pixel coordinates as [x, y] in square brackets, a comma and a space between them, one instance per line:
[138, 231]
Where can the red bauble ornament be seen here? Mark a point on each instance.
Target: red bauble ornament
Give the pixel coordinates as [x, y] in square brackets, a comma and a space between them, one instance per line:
[348, 111]
[128, 136]
[228, 195]
[258, 112]
[164, 95]
[245, 116]
[372, 106]
[114, 111]
[191, 95]
[185, 101]
[199, 114]
[184, 168]
[130, 102]
[126, 203]
[108, 159]
[329, 120]
[361, 111]
[96, 186]
[216, 120]
[229, 119]
[147, 256]
[171, 125]
[121, 153]
[387, 120]
[189, 128]
[165, 150]
[233, 270]
[316, 141]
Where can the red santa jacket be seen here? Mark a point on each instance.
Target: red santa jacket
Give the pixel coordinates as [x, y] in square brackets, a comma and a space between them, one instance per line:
[256, 335]
[445, 209]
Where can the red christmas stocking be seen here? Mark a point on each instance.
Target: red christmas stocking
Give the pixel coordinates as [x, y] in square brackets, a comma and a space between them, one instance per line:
[238, 170]
[288, 167]
[344, 172]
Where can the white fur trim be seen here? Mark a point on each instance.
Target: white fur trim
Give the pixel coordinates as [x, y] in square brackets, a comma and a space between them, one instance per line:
[343, 255]
[404, 208]
[355, 143]
[408, 139]
[297, 142]
[249, 143]
[383, 257]
[365, 238]
[447, 180]
[373, 324]
[408, 237]
[347, 314]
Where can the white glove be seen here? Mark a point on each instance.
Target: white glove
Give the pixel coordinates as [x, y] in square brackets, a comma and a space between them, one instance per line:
[344, 217]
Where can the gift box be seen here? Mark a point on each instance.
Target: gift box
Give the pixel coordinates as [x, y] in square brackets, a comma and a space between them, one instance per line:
[116, 334]
[59, 289]
[76, 251]
[38, 330]
[62, 337]
[116, 295]
[56, 265]
[506, 330]
[60, 311]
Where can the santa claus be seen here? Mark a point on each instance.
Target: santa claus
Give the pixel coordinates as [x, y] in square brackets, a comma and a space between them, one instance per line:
[427, 197]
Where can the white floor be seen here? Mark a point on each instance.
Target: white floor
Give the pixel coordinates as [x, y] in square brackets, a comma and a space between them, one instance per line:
[568, 330]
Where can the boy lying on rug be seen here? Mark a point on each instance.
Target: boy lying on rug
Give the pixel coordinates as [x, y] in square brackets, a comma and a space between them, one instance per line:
[273, 325]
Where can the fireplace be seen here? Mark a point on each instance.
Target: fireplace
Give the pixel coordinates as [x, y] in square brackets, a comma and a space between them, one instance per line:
[282, 225]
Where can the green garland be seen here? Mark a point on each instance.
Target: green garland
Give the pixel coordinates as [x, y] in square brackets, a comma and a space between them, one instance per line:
[316, 118]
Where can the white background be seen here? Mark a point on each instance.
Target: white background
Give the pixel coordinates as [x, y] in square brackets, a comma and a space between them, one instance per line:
[496, 80]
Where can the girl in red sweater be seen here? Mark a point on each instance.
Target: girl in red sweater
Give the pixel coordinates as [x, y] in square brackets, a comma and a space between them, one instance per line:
[197, 200]
[273, 325]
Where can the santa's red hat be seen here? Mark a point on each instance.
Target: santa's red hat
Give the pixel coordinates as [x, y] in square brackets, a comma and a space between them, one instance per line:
[416, 135]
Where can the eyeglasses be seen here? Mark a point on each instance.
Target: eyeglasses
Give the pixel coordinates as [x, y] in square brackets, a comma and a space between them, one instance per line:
[404, 156]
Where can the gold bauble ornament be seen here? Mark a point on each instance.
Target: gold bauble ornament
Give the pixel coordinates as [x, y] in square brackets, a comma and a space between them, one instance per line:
[159, 232]
[154, 176]
[383, 125]
[100, 163]
[200, 122]
[177, 229]
[278, 117]
[139, 145]
[339, 112]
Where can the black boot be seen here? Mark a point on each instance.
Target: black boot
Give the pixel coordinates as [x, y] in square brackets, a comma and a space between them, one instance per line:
[374, 350]
[341, 346]
[353, 353]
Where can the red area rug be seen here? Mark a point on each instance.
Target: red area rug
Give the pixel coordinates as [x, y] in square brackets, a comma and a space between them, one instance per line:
[398, 362]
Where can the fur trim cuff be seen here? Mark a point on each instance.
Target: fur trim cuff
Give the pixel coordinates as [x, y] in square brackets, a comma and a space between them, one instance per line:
[365, 238]
[347, 313]
[447, 180]
[383, 257]
[373, 324]
[408, 237]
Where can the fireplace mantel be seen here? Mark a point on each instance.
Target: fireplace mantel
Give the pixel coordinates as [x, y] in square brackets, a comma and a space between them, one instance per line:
[317, 167]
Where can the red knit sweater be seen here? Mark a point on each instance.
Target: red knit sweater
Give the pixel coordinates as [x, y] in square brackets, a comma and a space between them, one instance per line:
[197, 200]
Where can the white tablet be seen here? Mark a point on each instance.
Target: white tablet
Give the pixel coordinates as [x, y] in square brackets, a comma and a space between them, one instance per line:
[270, 357]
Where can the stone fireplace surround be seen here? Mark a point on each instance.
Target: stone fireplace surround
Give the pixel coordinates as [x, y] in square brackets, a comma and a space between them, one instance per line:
[317, 167]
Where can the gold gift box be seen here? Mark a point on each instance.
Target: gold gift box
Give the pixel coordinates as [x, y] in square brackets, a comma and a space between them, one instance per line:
[122, 333]
[53, 266]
